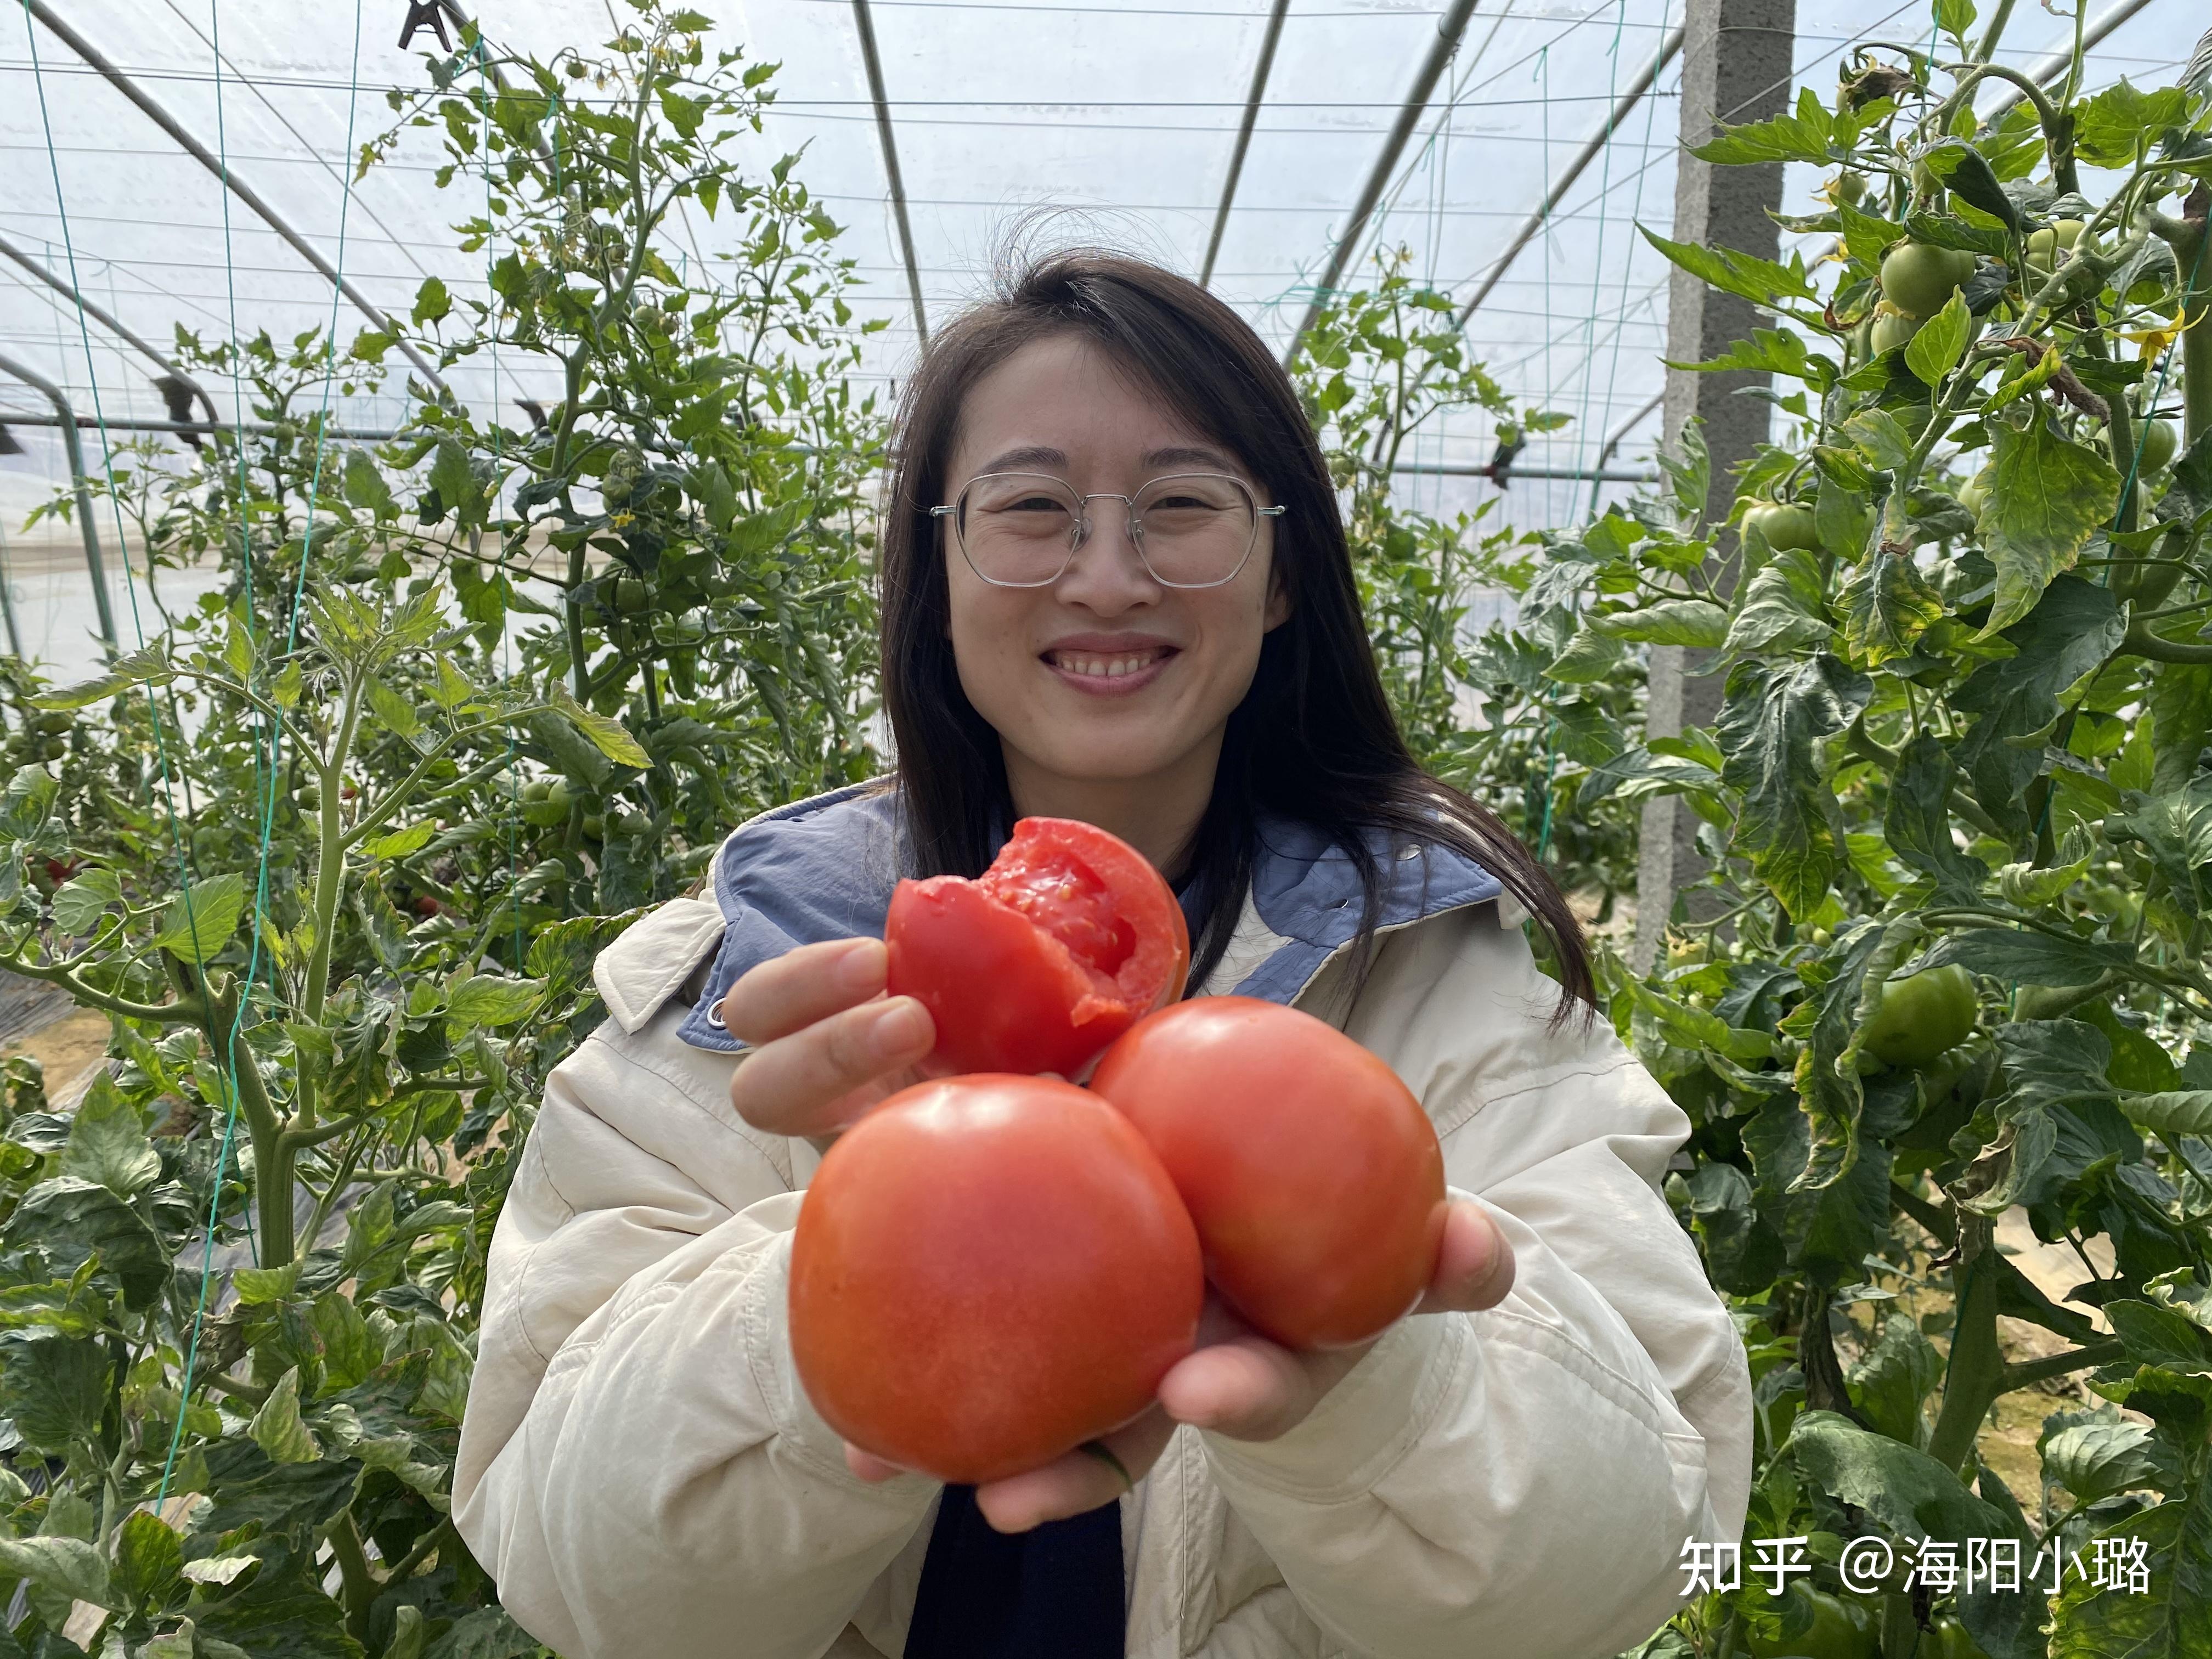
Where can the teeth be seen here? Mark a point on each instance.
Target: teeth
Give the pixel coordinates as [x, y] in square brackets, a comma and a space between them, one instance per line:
[1110, 668]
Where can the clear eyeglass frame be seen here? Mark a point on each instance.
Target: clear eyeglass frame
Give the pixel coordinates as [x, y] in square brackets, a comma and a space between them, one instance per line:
[1082, 527]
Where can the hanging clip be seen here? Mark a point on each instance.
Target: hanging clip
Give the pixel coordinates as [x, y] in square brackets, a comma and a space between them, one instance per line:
[424, 15]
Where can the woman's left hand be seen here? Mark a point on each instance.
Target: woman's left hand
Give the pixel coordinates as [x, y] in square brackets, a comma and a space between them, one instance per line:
[1236, 1384]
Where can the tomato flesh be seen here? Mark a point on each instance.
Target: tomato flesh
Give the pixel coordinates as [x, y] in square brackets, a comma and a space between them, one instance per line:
[987, 1272]
[1312, 1174]
[1068, 940]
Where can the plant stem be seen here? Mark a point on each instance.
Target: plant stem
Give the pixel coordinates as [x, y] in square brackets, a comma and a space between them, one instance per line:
[1975, 1376]
[2027, 1372]
[357, 1580]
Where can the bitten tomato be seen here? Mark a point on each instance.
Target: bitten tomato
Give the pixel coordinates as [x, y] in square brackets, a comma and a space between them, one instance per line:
[987, 1272]
[1068, 940]
[1313, 1174]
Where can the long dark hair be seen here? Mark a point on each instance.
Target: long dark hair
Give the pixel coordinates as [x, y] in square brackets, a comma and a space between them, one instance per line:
[1313, 740]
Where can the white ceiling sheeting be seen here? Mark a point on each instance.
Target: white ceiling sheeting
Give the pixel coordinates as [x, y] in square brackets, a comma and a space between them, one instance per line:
[1126, 111]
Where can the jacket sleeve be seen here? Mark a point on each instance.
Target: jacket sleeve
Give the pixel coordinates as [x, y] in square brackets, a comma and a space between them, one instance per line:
[640, 1469]
[1519, 1481]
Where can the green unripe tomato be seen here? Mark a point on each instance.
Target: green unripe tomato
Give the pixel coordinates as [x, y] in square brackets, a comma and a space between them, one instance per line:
[52, 723]
[1919, 278]
[1840, 1630]
[1783, 524]
[595, 826]
[52, 748]
[549, 809]
[309, 795]
[537, 789]
[1974, 494]
[628, 596]
[2044, 245]
[576, 69]
[1922, 1016]
[1890, 330]
[1848, 187]
[2159, 443]
[691, 626]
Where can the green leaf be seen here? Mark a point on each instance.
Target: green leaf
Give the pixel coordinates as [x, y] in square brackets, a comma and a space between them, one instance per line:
[1888, 603]
[396, 712]
[364, 485]
[2180, 703]
[1589, 656]
[607, 735]
[2021, 958]
[1901, 1487]
[70, 1218]
[107, 1143]
[78, 902]
[1917, 819]
[1803, 135]
[2109, 128]
[2099, 1456]
[149, 665]
[2064, 639]
[1667, 622]
[2176, 830]
[2161, 1336]
[492, 999]
[1867, 236]
[1760, 281]
[1884, 439]
[432, 302]
[1828, 1229]
[68, 1566]
[2046, 494]
[2160, 1618]
[258, 1286]
[1782, 609]
[487, 1633]
[1789, 824]
[684, 114]
[400, 842]
[56, 1388]
[1954, 18]
[1934, 350]
[199, 921]
[276, 1428]
[1960, 168]
[148, 1555]
[1898, 1371]
[2171, 1113]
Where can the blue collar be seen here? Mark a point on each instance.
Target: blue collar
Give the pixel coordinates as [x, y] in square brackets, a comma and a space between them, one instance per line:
[824, 869]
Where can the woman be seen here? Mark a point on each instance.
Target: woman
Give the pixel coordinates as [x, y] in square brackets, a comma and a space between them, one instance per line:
[1116, 587]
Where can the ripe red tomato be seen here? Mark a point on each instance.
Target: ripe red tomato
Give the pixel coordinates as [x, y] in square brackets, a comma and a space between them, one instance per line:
[1068, 940]
[987, 1272]
[425, 905]
[1313, 1174]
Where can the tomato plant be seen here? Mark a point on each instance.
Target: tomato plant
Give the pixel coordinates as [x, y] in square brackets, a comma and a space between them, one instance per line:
[1940, 997]
[1068, 938]
[988, 1271]
[1312, 1173]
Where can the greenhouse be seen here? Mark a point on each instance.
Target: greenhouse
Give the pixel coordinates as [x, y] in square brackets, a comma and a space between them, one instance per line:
[986, 829]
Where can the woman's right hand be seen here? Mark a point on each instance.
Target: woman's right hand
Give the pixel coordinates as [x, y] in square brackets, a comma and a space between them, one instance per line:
[826, 1042]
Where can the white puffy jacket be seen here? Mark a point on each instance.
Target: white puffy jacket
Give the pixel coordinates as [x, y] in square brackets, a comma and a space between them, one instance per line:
[642, 1473]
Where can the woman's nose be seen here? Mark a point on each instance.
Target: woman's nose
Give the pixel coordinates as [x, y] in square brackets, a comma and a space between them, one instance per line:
[1107, 573]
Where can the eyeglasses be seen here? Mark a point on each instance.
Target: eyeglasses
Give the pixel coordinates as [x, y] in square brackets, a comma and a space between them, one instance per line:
[1023, 528]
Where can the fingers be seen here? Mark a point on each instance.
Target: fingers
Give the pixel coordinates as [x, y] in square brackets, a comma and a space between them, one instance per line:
[1251, 1388]
[1475, 1265]
[812, 1081]
[1080, 1481]
[792, 991]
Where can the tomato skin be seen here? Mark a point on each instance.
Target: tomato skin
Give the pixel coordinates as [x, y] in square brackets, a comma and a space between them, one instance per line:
[987, 1271]
[1784, 523]
[1840, 1630]
[1007, 964]
[2158, 447]
[1947, 1639]
[1919, 278]
[1892, 329]
[1313, 1174]
[1922, 1015]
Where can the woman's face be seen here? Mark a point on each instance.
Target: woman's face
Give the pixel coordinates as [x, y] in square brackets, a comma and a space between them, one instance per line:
[1106, 675]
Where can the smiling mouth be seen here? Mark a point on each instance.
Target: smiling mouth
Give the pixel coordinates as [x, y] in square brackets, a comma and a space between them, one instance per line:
[1107, 665]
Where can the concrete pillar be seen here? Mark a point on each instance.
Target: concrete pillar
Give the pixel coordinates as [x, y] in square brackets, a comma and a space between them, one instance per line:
[1736, 68]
